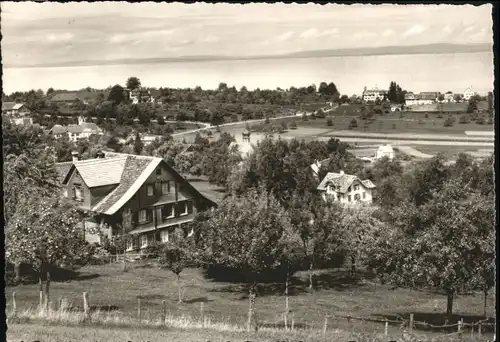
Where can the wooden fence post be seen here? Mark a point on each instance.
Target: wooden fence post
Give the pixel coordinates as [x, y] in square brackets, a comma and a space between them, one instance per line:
[163, 311]
[410, 328]
[202, 318]
[324, 326]
[386, 329]
[139, 310]
[479, 330]
[86, 311]
[14, 305]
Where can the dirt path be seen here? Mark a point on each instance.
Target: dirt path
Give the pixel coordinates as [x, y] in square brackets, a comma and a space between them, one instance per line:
[408, 150]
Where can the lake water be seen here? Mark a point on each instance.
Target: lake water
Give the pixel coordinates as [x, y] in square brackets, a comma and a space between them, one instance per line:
[440, 72]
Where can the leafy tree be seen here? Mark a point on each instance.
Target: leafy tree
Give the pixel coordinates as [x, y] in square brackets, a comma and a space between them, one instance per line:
[450, 120]
[44, 232]
[423, 250]
[116, 95]
[472, 106]
[329, 121]
[353, 123]
[244, 233]
[293, 125]
[133, 83]
[440, 97]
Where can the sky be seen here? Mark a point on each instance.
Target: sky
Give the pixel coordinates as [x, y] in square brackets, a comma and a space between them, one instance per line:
[38, 33]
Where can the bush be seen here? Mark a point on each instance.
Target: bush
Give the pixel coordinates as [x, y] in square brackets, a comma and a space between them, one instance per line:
[284, 125]
[490, 121]
[393, 126]
[304, 117]
[329, 122]
[313, 116]
[464, 119]
[320, 114]
[450, 120]
[293, 125]
[353, 123]
[440, 116]
[426, 115]
[267, 121]
[480, 120]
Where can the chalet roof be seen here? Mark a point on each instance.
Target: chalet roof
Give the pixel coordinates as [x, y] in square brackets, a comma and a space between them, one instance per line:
[11, 105]
[58, 129]
[127, 171]
[63, 169]
[342, 181]
[101, 172]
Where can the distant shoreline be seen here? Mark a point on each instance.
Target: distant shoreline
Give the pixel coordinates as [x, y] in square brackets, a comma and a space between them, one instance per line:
[367, 52]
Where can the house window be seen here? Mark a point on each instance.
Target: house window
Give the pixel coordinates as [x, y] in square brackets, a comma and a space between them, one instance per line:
[130, 244]
[143, 217]
[158, 171]
[165, 187]
[151, 190]
[357, 197]
[364, 195]
[184, 208]
[164, 235]
[77, 193]
[144, 240]
[349, 189]
[349, 198]
[169, 211]
[356, 187]
[65, 193]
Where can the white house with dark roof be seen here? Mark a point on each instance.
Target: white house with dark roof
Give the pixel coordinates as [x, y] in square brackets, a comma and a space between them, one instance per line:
[468, 93]
[17, 113]
[159, 198]
[75, 132]
[346, 189]
[371, 95]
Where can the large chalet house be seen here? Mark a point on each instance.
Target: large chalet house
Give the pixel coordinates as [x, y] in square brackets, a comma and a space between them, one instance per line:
[468, 93]
[421, 99]
[159, 199]
[346, 189]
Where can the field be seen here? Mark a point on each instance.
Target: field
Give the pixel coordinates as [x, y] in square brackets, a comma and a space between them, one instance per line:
[337, 293]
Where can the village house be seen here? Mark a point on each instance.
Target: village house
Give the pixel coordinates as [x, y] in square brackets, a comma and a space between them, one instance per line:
[371, 95]
[75, 132]
[161, 202]
[422, 98]
[449, 97]
[468, 93]
[17, 113]
[144, 96]
[385, 151]
[346, 189]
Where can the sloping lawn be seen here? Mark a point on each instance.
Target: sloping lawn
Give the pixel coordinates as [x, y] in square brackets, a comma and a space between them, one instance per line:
[337, 293]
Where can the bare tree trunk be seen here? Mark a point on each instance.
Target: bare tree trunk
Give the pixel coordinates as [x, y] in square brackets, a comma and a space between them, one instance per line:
[311, 271]
[251, 302]
[353, 264]
[47, 292]
[124, 250]
[286, 298]
[17, 271]
[449, 303]
[179, 287]
[485, 303]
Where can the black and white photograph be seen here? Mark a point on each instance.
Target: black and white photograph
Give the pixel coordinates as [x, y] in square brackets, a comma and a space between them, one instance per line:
[253, 172]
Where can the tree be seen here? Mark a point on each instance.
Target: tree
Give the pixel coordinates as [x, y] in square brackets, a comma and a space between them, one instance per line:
[293, 125]
[449, 121]
[175, 256]
[45, 232]
[244, 233]
[138, 144]
[472, 106]
[116, 95]
[423, 250]
[133, 83]
[440, 97]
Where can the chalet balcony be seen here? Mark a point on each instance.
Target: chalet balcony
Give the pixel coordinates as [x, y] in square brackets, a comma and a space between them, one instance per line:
[161, 223]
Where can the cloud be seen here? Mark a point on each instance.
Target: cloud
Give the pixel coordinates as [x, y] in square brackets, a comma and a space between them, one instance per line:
[144, 35]
[210, 39]
[60, 37]
[312, 32]
[387, 33]
[285, 36]
[470, 28]
[363, 34]
[414, 30]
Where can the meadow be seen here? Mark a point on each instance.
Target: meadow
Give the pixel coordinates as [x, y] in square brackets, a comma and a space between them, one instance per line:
[338, 294]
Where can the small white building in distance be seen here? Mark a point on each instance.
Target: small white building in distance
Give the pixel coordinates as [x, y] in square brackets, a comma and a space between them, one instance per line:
[346, 189]
[468, 93]
[385, 151]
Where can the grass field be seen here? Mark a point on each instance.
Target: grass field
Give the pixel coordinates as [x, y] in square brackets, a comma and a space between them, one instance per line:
[337, 293]
[43, 333]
